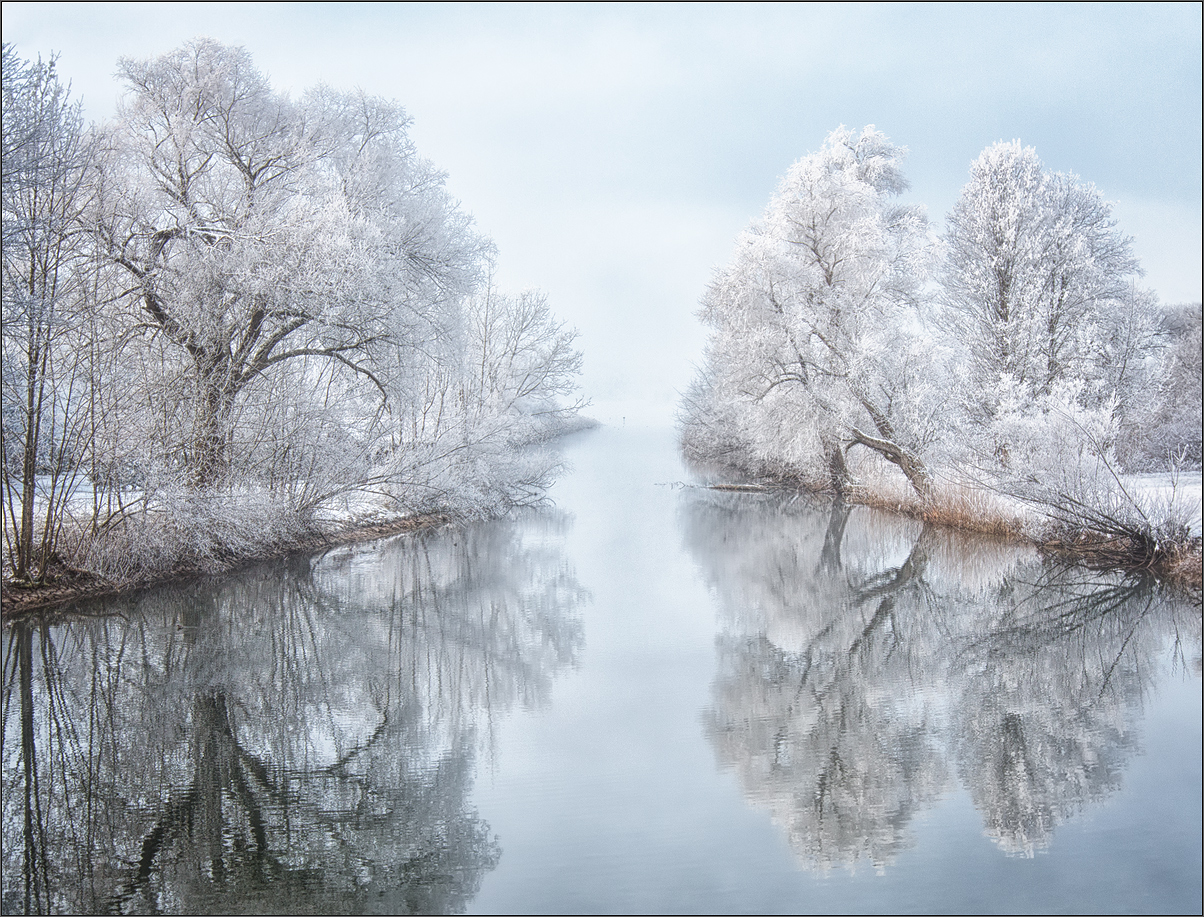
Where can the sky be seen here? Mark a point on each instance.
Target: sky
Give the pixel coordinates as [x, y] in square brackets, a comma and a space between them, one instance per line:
[613, 152]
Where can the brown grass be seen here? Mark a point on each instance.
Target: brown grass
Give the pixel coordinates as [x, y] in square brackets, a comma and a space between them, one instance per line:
[1177, 563]
[951, 505]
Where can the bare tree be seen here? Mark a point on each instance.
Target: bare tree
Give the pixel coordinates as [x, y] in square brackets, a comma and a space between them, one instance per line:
[46, 154]
[523, 359]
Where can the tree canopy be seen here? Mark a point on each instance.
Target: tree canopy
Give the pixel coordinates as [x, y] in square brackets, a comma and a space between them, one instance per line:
[277, 302]
[814, 319]
[1017, 351]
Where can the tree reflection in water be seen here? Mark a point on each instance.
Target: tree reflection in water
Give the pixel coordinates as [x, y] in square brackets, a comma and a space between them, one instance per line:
[297, 739]
[864, 659]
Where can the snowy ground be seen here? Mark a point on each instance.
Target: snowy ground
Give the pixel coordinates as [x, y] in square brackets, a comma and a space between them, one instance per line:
[1183, 490]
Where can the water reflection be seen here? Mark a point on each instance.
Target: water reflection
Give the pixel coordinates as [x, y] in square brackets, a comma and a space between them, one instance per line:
[868, 662]
[298, 739]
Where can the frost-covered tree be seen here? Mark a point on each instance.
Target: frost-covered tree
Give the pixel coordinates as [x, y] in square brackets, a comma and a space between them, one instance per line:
[468, 419]
[523, 359]
[288, 323]
[1062, 349]
[1169, 434]
[45, 368]
[814, 346]
[1038, 287]
[299, 252]
[244, 249]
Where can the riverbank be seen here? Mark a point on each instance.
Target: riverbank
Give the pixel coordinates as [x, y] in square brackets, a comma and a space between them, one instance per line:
[1171, 552]
[67, 587]
[202, 535]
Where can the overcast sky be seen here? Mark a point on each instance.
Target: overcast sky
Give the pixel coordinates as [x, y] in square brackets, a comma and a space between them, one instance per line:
[613, 152]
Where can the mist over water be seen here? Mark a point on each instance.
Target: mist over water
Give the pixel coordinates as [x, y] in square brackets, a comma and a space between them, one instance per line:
[647, 697]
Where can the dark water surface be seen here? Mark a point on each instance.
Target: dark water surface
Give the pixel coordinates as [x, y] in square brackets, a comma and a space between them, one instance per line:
[651, 698]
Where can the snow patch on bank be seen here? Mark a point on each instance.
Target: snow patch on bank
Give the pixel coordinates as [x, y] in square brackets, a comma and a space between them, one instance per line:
[1178, 492]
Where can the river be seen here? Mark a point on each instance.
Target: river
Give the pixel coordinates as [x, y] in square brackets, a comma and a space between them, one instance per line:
[647, 697]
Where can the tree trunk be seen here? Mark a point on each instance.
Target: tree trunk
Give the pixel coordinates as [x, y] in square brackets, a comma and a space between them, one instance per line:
[910, 464]
[210, 457]
[838, 470]
[29, 457]
[28, 487]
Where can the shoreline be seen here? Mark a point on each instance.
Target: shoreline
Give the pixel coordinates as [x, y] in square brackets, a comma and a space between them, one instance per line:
[1182, 569]
[1185, 571]
[71, 588]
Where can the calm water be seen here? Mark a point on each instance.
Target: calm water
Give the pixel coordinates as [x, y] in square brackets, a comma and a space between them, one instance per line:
[652, 697]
